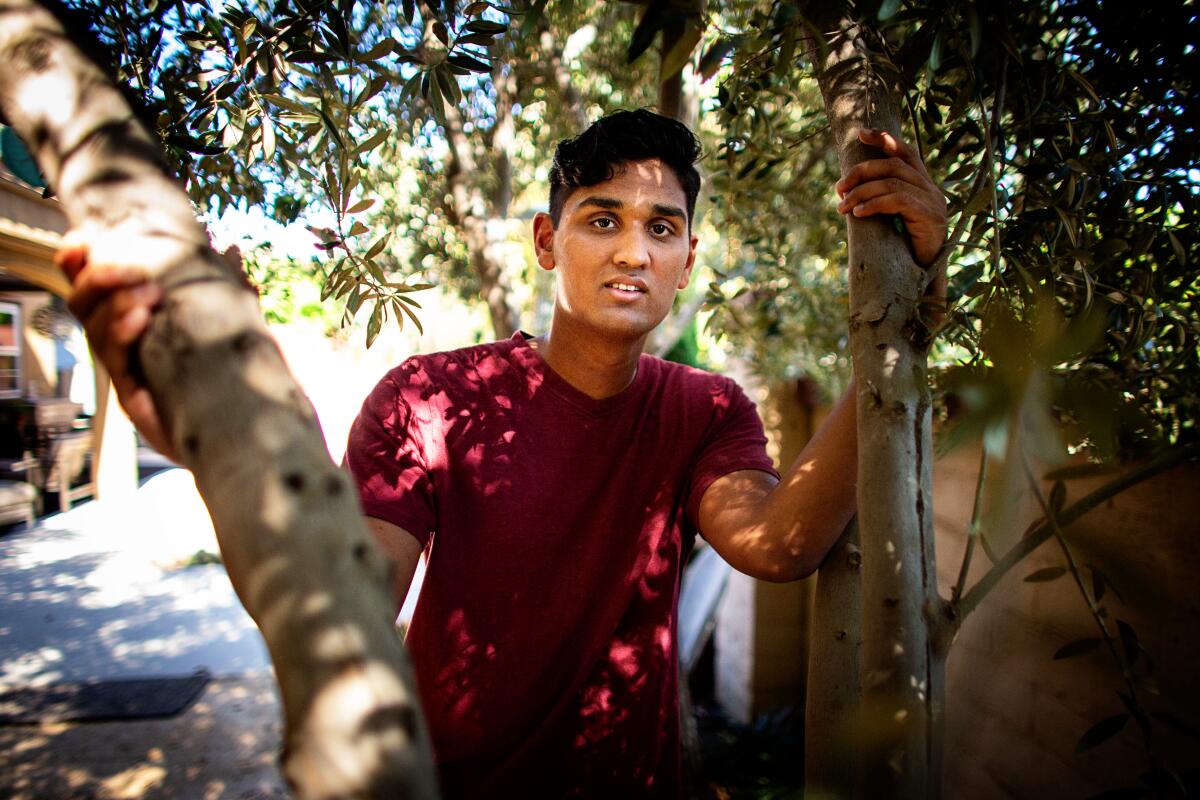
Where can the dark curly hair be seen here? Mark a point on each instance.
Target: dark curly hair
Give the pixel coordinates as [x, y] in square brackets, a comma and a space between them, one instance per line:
[597, 154]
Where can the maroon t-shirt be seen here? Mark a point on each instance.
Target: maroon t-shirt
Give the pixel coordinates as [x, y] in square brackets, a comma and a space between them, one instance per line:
[544, 636]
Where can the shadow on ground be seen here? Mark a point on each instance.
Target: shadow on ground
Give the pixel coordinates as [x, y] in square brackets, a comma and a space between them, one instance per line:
[224, 746]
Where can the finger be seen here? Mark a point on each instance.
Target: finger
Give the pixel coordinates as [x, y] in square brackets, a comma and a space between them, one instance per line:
[911, 209]
[71, 259]
[933, 205]
[71, 255]
[880, 168]
[893, 146]
[870, 190]
[95, 285]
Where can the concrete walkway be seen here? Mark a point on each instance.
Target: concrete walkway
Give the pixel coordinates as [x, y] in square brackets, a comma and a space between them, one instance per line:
[103, 591]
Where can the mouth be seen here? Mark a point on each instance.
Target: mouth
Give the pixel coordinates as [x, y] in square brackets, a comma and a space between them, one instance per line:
[626, 288]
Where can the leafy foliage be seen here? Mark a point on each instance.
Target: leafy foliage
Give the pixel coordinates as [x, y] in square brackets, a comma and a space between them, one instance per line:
[1064, 134]
[284, 104]
[1066, 146]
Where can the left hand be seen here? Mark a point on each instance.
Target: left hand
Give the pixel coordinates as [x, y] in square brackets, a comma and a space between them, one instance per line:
[899, 185]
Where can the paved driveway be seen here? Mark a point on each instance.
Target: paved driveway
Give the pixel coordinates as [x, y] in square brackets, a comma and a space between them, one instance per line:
[102, 592]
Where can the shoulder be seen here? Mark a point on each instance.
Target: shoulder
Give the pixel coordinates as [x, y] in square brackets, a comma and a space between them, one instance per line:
[694, 387]
[427, 375]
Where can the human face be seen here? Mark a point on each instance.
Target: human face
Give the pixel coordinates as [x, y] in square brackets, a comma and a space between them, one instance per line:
[622, 248]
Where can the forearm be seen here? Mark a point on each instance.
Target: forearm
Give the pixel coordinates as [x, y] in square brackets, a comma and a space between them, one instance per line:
[815, 499]
[781, 531]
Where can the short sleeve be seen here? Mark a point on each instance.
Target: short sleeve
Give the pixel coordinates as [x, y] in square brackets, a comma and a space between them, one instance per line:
[385, 454]
[735, 441]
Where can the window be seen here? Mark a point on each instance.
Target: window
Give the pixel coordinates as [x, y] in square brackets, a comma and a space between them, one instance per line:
[10, 350]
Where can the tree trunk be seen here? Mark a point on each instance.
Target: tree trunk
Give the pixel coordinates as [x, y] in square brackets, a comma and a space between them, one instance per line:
[832, 707]
[291, 534]
[901, 673]
[482, 220]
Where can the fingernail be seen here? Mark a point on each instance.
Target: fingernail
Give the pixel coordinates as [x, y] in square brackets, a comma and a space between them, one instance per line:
[857, 209]
[871, 131]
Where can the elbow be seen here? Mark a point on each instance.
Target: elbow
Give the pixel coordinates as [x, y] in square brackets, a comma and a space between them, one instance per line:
[784, 569]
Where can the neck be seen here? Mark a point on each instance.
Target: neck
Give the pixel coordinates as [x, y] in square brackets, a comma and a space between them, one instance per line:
[596, 366]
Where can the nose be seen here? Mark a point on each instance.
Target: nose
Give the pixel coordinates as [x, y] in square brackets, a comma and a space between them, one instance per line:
[632, 250]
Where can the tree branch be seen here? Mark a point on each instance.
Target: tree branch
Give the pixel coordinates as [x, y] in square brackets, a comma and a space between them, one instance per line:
[1034, 539]
[290, 531]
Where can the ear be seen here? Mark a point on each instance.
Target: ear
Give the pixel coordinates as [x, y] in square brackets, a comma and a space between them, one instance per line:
[691, 261]
[543, 240]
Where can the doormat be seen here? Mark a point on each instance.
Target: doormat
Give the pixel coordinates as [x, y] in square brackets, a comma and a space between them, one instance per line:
[98, 701]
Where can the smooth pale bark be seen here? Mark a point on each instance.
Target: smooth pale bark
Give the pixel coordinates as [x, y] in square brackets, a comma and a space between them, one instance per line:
[290, 531]
[831, 710]
[901, 618]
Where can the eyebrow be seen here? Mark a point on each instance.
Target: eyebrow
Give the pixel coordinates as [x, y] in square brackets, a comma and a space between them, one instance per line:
[612, 203]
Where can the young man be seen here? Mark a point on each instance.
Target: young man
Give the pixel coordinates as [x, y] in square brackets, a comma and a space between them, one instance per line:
[558, 481]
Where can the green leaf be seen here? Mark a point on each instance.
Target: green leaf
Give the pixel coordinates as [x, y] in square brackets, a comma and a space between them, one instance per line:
[1069, 225]
[448, 84]
[652, 21]
[382, 48]
[377, 248]
[1058, 496]
[268, 137]
[361, 206]
[680, 52]
[1177, 247]
[935, 53]
[481, 39]
[485, 26]
[1077, 648]
[1046, 574]
[433, 95]
[333, 131]
[710, 62]
[289, 104]
[357, 228]
[375, 270]
[888, 9]
[1129, 641]
[370, 143]
[468, 63]
[1102, 731]
[374, 86]
[232, 134]
[981, 200]
[439, 30]
[374, 324]
[411, 315]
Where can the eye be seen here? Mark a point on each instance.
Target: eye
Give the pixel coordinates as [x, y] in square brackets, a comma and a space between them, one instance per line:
[661, 229]
[604, 223]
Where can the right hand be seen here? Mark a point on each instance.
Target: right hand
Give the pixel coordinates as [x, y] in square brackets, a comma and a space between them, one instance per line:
[114, 302]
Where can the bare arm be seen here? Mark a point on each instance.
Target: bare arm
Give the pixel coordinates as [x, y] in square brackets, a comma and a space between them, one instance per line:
[402, 550]
[780, 531]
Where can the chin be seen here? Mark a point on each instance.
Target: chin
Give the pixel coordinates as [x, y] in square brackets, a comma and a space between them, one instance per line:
[626, 328]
